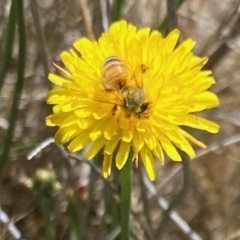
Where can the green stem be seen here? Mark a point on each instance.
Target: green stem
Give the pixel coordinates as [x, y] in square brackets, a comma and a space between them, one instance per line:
[45, 209]
[126, 184]
[72, 213]
[164, 24]
[18, 86]
[8, 43]
[114, 209]
[117, 10]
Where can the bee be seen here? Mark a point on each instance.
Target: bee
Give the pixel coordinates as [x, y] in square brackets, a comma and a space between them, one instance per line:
[129, 96]
[115, 76]
[114, 73]
[135, 100]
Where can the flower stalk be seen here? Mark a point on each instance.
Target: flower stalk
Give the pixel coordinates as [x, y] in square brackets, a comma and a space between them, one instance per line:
[126, 185]
[72, 213]
[45, 209]
[44, 185]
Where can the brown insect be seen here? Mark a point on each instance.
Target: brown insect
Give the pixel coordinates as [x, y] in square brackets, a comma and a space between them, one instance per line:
[135, 100]
[114, 77]
[114, 73]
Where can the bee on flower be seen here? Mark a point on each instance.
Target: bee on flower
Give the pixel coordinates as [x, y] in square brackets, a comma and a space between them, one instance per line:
[132, 90]
[114, 77]
[114, 73]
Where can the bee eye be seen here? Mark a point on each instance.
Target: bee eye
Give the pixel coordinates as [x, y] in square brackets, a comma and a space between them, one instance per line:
[145, 106]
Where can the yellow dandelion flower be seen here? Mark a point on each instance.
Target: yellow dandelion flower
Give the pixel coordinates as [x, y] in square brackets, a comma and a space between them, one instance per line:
[131, 90]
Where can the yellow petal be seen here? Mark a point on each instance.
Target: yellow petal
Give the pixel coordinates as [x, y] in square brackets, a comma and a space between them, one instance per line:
[99, 129]
[107, 164]
[171, 40]
[186, 46]
[57, 96]
[200, 123]
[192, 121]
[138, 141]
[178, 140]
[148, 162]
[79, 142]
[65, 134]
[57, 119]
[122, 154]
[99, 114]
[192, 139]
[200, 62]
[83, 112]
[158, 152]
[110, 130]
[150, 140]
[143, 35]
[95, 148]
[169, 148]
[127, 136]
[57, 80]
[85, 47]
[203, 101]
[68, 61]
[111, 145]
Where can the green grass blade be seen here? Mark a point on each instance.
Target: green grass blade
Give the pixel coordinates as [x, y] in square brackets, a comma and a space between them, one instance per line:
[8, 44]
[117, 10]
[164, 24]
[126, 186]
[19, 84]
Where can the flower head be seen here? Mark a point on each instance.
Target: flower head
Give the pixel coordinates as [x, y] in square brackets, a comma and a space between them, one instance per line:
[131, 90]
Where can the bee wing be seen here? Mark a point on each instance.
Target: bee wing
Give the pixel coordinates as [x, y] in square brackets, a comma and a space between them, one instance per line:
[136, 60]
[100, 97]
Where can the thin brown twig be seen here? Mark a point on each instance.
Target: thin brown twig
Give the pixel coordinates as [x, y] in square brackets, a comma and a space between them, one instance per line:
[225, 27]
[179, 198]
[217, 47]
[95, 169]
[211, 148]
[163, 204]
[172, 15]
[105, 14]
[71, 181]
[10, 226]
[234, 235]
[97, 19]
[87, 19]
[113, 188]
[40, 37]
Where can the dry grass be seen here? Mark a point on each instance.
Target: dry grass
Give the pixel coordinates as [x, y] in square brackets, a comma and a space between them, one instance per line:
[212, 206]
